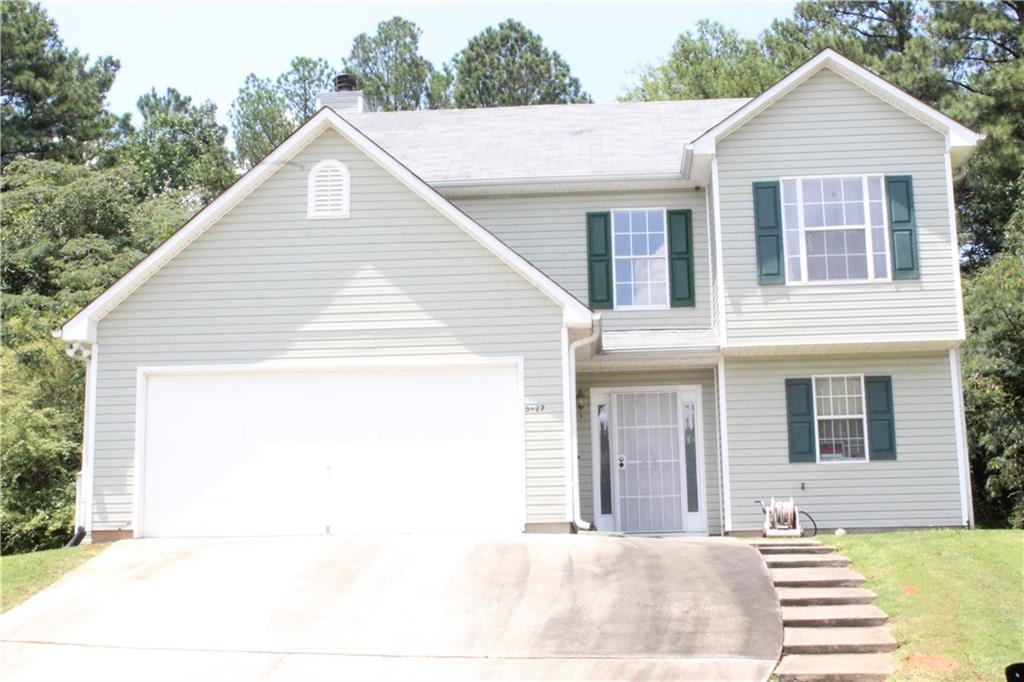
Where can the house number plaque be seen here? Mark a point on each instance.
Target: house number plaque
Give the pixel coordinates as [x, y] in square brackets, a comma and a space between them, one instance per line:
[534, 407]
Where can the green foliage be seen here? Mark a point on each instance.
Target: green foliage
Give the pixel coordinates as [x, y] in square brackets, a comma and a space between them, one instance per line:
[52, 99]
[259, 118]
[993, 367]
[180, 146]
[392, 73]
[300, 86]
[716, 62]
[510, 66]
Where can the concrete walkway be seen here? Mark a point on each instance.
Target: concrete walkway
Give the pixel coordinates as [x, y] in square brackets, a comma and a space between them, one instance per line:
[404, 607]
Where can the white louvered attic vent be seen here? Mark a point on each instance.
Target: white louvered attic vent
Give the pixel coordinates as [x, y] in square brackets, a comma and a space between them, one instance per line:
[329, 190]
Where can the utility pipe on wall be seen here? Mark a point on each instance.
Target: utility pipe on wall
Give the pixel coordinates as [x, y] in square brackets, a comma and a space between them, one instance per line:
[574, 430]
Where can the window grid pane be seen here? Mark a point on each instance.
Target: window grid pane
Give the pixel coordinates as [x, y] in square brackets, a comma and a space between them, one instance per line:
[834, 229]
[839, 407]
[641, 266]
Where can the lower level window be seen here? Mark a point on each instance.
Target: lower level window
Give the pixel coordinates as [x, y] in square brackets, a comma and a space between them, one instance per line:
[840, 418]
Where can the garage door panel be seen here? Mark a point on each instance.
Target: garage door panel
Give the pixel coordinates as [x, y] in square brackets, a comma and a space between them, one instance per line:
[433, 449]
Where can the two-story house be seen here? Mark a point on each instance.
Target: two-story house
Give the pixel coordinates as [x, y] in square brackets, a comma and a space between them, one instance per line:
[635, 317]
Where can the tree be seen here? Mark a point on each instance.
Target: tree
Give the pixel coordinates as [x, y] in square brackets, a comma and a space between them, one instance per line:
[993, 368]
[180, 146]
[69, 232]
[715, 62]
[53, 100]
[259, 117]
[394, 76]
[510, 66]
[302, 84]
[171, 102]
[982, 55]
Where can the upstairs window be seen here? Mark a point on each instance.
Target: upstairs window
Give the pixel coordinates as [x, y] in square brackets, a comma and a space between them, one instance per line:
[835, 229]
[640, 254]
[328, 190]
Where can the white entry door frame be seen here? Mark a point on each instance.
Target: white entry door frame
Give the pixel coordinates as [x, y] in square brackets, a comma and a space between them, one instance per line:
[604, 455]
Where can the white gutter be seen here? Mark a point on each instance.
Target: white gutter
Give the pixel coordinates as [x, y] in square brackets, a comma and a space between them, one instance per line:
[577, 514]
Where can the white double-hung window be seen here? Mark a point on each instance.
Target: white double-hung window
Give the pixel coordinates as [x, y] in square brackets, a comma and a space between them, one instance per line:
[835, 229]
[840, 418]
[640, 252]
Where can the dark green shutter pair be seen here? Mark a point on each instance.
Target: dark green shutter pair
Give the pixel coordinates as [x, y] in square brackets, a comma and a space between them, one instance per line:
[800, 417]
[600, 265]
[899, 191]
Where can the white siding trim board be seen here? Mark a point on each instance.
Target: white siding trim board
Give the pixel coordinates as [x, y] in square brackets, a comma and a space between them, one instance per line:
[960, 421]
[723, 431]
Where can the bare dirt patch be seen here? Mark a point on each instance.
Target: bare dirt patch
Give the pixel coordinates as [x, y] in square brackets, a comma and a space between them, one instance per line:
[931, 663]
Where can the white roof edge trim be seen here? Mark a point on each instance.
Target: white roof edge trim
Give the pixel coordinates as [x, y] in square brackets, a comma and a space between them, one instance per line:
[957, 134]
[82, 327]
[557, 179]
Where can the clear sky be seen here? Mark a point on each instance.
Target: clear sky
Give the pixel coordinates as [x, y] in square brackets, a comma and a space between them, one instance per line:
[205, 49]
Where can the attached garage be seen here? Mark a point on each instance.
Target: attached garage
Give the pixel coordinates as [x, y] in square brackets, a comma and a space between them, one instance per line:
[330, 450]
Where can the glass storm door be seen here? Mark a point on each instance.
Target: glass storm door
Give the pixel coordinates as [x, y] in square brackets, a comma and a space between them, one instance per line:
[654, 463]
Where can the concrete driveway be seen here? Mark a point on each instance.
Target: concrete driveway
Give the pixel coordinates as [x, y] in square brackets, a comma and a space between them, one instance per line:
[403, 607]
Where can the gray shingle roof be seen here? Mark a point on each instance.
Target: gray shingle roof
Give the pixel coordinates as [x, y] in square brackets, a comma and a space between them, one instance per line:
[548, 141]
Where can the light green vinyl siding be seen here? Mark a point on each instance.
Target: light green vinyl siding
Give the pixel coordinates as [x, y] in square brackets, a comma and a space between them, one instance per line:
[266, 284]
[919, 488]
[705, 379]
[550, 231]
[829, 126]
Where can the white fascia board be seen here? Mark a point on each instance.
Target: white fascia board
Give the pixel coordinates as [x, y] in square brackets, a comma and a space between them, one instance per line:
[957, 135]
[82, 327]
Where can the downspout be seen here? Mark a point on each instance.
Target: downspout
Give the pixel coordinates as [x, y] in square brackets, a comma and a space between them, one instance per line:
[577, 515]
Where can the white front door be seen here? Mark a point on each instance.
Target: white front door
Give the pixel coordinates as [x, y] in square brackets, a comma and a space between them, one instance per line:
[648, 473]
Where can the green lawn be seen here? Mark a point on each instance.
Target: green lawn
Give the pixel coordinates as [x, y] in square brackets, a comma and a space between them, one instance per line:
[22, 575]
[955, 598]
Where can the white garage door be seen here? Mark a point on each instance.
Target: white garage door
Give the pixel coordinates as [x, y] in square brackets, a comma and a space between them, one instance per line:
[331, 451]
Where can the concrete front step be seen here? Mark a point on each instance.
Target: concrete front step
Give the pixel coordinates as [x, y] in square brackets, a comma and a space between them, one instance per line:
[783, 542]
[856, 640]
[821, 596]
[805, 560]
[843, 615]
[834, 668]
[815, 577]
[795, 549]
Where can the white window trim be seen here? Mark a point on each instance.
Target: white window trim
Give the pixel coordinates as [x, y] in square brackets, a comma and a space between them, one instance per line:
[864, 418]
[668, 274]
[868, 236]
[311, 212]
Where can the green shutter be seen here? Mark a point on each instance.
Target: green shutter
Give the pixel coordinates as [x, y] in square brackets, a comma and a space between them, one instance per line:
[680, 248]
[881, 424]
[800, 416]
[599, 260]
[768, 232]
[902, 227]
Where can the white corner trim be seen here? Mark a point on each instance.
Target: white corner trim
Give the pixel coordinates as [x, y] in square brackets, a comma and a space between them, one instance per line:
[723, 331]
[723, 429]
[955, 244]
[313, 189]
[957, 135]
[960, 423]
[82, 327]
[89, 436]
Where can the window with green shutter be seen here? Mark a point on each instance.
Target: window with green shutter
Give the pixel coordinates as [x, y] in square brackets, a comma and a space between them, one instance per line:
[899, 190]
[800, 415]
[599, 260]
[680, 241]
[881, 421]
[768, 233]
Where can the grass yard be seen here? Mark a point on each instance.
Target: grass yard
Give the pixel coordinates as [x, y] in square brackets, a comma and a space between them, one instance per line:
[955, 598]
[22, 575]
